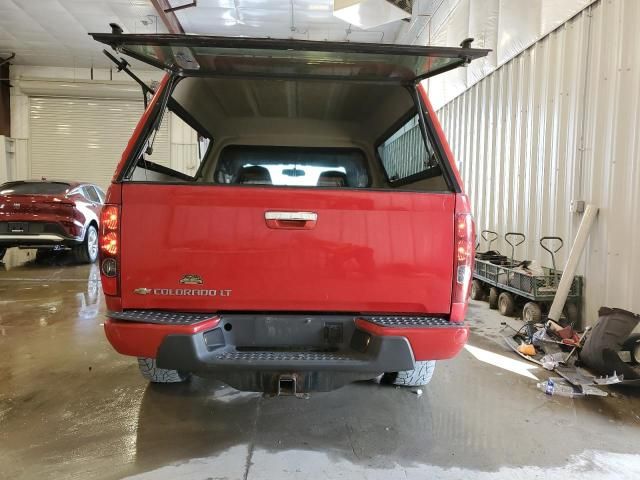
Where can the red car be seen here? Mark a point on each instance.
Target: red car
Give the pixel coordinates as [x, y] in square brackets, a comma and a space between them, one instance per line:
[51, 215]
[318, 232]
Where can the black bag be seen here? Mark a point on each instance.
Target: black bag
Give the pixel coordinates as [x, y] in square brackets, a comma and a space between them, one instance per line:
[600, 351]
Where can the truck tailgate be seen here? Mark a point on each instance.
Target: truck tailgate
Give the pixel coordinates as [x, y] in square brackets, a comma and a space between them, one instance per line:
[209, 248]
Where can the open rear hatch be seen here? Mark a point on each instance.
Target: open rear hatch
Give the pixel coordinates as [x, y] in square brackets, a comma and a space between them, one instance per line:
[196, 55]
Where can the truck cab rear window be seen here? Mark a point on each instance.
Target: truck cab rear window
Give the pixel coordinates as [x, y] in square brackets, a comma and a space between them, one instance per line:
[292, 166]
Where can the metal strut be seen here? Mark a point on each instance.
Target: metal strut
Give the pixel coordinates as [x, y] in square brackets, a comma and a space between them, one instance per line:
[123, 66]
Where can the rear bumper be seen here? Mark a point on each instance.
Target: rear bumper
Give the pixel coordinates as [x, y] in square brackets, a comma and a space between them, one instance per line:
[251, 352]
[37, 241]
[36, 234]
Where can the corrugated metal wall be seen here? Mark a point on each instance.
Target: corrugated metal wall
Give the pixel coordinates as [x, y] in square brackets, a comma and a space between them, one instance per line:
[561, 122]
[184, 147]
[404, 154]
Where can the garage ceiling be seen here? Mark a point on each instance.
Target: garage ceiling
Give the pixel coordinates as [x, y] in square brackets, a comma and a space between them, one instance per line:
[301, 19]
[54, 32]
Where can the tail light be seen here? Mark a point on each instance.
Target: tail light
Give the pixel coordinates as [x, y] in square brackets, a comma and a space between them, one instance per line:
[110, 248]
[463, 261]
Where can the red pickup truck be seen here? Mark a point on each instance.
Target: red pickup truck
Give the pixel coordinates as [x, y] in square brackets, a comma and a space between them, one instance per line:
[310, 231]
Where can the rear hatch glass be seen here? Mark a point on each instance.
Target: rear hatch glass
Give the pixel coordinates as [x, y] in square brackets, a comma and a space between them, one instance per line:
[34, 188]
[249, 57]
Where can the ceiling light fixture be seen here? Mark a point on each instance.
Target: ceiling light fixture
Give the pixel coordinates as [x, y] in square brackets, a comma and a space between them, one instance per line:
[371, 13]
[319, 7]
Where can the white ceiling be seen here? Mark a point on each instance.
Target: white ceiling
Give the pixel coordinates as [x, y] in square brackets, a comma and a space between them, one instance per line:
[54, 32]
[301, 19]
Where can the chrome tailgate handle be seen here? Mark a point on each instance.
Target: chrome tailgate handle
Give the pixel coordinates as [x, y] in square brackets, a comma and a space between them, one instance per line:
[291, 220]
[291, 216]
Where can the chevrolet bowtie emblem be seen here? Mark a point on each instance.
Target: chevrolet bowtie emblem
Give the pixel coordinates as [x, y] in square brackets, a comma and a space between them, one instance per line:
[142, 291]
[191, 279]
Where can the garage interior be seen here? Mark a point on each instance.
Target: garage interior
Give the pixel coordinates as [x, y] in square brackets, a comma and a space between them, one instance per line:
[544, 130]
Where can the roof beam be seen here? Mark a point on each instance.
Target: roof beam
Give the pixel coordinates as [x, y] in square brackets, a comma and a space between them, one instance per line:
[167, 16]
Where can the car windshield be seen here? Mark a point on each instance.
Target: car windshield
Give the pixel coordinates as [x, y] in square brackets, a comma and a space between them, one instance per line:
[34, 188]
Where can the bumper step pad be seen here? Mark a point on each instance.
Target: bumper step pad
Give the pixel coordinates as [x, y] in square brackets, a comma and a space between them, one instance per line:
[271, 356]
[410, 321]
[161, 317]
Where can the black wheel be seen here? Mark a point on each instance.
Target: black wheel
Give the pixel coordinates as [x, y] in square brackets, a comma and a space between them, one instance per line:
[493, 298]
[632, 345]
[531, 312]
[477, 290]
[506, 304]
[2, 252]
[87, 251]
[419, 376]
[572, 312]
[151, 372]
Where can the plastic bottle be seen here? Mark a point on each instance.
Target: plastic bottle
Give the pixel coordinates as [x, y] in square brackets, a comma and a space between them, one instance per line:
[553, 388]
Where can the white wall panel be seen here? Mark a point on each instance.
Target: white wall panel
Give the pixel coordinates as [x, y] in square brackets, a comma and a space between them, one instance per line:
[507, 27]
[557, 123]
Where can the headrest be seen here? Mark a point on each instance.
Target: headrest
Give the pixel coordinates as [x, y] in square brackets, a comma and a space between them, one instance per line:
[332, 178]
[255, 175]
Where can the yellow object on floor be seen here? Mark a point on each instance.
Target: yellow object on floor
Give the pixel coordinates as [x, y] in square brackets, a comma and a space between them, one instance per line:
[527, 349]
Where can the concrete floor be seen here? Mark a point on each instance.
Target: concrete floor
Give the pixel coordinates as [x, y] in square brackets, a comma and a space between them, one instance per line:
[70, 407]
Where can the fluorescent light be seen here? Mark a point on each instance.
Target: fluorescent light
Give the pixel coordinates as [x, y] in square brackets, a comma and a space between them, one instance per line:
[368, 13]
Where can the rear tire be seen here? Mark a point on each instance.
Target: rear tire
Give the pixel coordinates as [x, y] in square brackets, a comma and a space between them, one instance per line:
[419, 376]
[477, 290]
[493, 298]
[87, 251]
[151, 372]
[531, 312]
[506, 304]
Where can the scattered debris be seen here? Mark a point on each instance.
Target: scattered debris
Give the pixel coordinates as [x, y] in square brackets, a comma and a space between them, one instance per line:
[579, 377]
[560, 387]
[527, 349]
[552, 360]
[552, 346]
[417, 391]
[514, 344]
